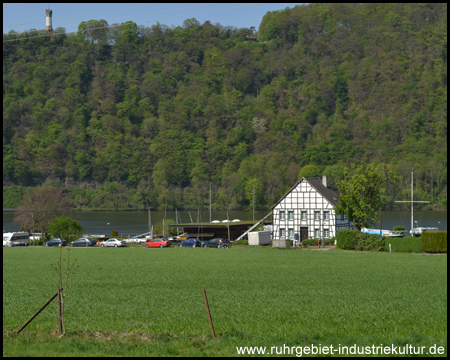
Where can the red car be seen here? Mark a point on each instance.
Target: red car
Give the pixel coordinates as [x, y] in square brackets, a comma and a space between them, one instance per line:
[157, 243]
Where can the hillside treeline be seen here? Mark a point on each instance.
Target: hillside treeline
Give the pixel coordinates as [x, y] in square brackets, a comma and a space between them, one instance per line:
[128, 115]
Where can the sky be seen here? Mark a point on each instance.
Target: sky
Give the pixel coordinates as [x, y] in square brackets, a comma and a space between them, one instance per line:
[23, 17]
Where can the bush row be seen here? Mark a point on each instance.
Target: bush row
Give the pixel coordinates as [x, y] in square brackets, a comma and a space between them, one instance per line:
[404, 245]
[434, 241]
[346, 239]
[314, 242]
[369, 242]
[356, 240]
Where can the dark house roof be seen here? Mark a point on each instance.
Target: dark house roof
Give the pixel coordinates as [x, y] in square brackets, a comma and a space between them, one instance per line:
[330, 194]
[208, 230]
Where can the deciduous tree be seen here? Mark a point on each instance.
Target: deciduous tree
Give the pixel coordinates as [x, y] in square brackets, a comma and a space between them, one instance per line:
[40, 206]
[65, 227]
[361, 193]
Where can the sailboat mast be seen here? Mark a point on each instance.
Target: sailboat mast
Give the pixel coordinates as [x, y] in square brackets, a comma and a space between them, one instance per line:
[210, 196]
[149, 221]
[164, 222]
[412, 198]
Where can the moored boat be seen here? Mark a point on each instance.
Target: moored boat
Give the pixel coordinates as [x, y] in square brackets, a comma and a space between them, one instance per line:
[385, 233]
[419, 230]
[392, 233]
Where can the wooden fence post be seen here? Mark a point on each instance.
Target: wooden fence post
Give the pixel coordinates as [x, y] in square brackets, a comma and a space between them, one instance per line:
[209, 315]
[42, 308]
[60, 321]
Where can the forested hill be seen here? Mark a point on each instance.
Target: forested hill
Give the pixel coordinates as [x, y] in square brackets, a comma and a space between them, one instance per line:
[141, 113]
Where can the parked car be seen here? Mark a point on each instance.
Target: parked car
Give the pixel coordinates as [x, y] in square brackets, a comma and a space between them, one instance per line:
[158, 243]
[217, 243]
[113, 243]
[83, 242]
[56, 242]
[138, 240]
[203, 242]
[191, 242]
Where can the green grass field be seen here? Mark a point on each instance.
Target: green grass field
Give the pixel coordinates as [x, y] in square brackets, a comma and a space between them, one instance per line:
[148, 302]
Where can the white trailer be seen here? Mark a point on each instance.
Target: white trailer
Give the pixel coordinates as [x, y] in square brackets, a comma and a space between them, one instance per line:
[16, 239]
[259, 238]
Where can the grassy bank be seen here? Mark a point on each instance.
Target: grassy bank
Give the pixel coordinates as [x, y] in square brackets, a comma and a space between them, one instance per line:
[140, 302]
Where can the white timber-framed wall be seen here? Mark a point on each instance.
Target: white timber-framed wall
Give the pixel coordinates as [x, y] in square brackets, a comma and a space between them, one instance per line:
[308, 210]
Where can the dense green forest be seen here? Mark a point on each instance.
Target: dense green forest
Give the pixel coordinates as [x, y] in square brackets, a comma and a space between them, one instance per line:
[123, 116]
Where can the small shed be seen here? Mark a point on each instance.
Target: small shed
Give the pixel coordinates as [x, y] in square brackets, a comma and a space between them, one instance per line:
[259, 238]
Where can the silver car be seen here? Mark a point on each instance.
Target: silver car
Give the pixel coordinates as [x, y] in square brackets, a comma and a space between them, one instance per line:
[114, 243]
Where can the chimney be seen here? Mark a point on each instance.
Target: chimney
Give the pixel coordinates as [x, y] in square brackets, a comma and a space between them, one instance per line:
[324, 181]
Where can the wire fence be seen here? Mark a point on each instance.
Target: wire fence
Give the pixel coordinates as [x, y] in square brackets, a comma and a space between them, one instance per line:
[177, 315]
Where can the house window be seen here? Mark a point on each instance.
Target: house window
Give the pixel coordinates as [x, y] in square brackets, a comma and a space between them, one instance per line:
[316, 234]
[282, 233]
[326, 215]
[282, 215]
[304, 215]
[326, 233]
[291, 215]
[290, 233]
[316, 215]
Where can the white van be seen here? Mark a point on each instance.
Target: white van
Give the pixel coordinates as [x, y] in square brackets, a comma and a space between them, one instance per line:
[35, 236]
[16, 239]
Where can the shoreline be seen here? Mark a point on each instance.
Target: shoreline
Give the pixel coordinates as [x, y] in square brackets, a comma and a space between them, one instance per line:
[112, 210]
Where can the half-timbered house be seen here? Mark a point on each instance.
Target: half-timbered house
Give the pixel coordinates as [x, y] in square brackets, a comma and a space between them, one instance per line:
[308, 211]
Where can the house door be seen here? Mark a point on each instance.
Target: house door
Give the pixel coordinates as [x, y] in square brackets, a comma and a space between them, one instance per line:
[303, 233]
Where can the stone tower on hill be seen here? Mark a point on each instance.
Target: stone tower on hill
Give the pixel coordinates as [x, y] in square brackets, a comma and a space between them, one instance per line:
[48, 21]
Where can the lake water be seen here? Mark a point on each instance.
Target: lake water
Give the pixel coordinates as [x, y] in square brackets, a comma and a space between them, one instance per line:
[137, 222]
